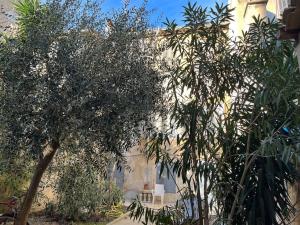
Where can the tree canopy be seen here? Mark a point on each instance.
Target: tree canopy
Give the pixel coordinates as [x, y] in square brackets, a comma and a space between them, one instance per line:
[75, 79]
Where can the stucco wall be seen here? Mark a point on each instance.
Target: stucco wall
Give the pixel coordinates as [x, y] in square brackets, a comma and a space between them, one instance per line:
[255, 9]
[243, 14]
[244, 11]
[272, 7]
[135, 175]
[140, 172]
[7, 14]
[237, 24]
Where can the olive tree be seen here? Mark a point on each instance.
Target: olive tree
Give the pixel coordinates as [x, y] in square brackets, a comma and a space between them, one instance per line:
[72, 76]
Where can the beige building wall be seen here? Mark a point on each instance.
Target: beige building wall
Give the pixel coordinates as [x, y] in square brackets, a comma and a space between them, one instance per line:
[245, 10]
[140, 172]
[237, 25]
[7, 14]
[272, 7]
[254, 8]
[135, 176]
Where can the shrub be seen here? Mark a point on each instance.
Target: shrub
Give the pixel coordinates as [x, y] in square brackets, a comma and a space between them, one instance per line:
[50, 209]
[13, 178]
[82, 193]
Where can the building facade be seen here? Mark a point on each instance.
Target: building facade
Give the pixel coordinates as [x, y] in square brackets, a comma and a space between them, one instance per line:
[286, 10]
[7, 14]
[142, 174]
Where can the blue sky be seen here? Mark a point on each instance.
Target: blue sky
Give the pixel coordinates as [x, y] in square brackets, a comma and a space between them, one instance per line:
[163, 8]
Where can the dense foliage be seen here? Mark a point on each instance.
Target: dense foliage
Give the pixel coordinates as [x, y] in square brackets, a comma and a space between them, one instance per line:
[74, 80]
[234, 120]
[269, 148]
[83, 192]
[69, 76]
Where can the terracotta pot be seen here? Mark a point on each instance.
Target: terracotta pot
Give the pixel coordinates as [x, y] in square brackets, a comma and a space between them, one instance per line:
[146, 186]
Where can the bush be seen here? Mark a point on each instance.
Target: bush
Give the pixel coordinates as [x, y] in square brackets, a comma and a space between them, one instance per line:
[111, 194]
[13, 178]
[50, 209]
[82, 193]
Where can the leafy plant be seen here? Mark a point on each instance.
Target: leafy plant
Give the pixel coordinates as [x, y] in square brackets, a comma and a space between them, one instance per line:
[165, 216]
[14, 176]
[234, 120]
[78, 192]
[69, 79]
[50, 209]
[82, 192]
[264, 157]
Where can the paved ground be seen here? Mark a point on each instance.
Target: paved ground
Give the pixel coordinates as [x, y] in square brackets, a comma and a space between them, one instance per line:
[125, 220]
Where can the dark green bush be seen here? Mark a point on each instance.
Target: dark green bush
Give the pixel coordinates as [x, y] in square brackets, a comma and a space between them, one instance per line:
[82, 192]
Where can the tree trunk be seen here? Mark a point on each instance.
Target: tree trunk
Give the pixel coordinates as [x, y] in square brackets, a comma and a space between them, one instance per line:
[35, 181]
[199, 201]
[206, 209]
[192, 198]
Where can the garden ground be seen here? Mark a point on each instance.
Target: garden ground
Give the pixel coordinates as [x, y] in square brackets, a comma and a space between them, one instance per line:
[122, 220]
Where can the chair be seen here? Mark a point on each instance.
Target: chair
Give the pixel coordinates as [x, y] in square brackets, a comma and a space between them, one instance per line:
[159, 190]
